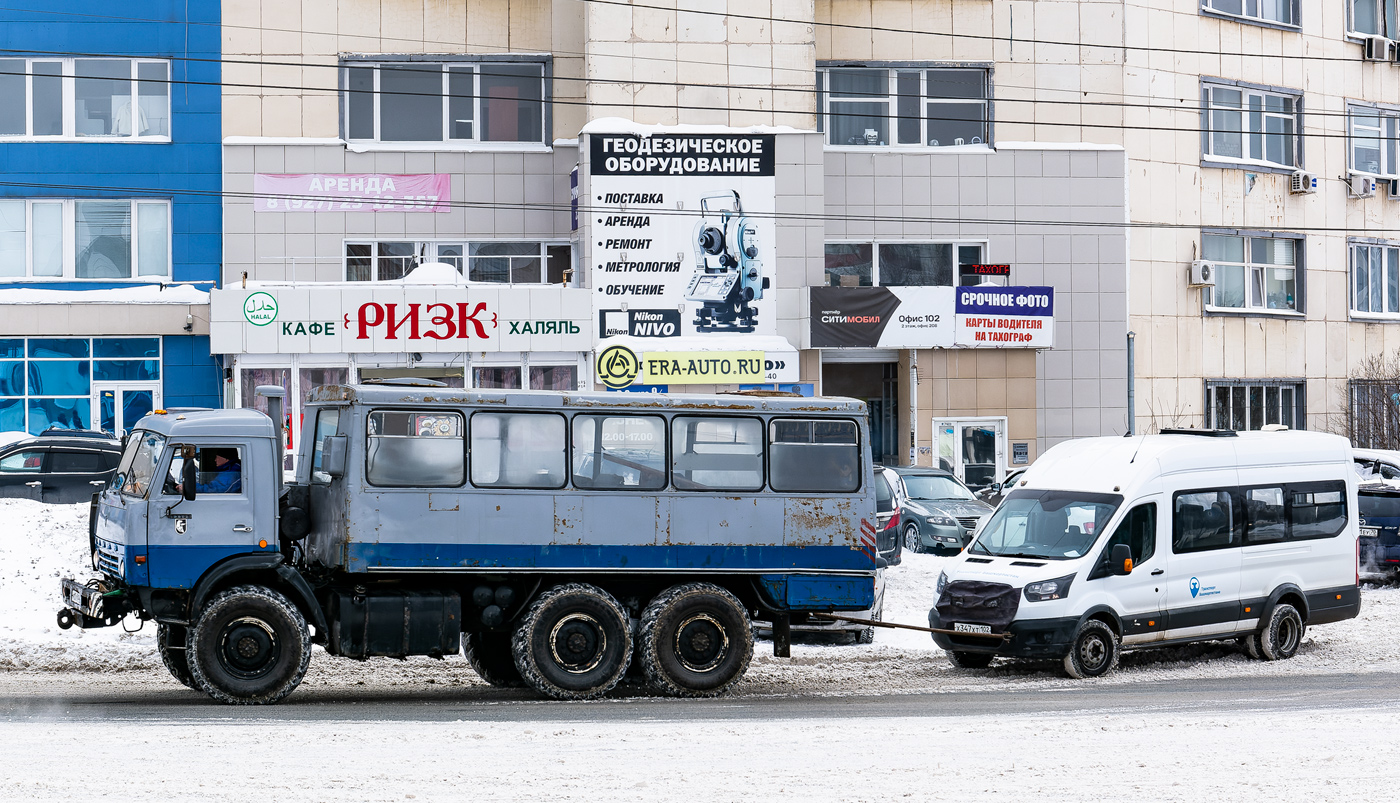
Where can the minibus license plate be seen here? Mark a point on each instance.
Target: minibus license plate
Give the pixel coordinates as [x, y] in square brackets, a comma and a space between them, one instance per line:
[963, 627]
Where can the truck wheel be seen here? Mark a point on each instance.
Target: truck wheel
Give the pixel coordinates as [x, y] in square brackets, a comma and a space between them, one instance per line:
[696, 641]
[969, 660]
[1282, 636]
[1094, 652]
[250, 646]
[489, 654]
[574, 642]
[174, 657]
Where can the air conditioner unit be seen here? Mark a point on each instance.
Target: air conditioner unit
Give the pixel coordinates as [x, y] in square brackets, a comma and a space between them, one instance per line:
[1360, 185]
[1377, 48]
[1302, 182]
[1201, 274]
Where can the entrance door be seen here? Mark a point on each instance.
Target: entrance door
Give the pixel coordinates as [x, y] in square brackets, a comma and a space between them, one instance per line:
[117, 406]
[973, 448]
[877, 384]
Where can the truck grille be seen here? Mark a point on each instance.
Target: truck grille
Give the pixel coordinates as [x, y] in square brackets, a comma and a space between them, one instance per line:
[969, 523]
[107, 563]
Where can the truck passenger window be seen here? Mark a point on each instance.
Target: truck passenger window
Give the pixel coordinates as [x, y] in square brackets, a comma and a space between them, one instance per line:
[1204, 520]
[327, 425]
[813, 455]
[1263, 516]
[1317, 512]
[518, 450]
[718, 453]
[219, 470]
[414, 448]
[615, 451]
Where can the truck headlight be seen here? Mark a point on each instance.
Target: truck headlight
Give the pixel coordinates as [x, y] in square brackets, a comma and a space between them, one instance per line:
[942, 582]
[1049, 589]
[939, 520]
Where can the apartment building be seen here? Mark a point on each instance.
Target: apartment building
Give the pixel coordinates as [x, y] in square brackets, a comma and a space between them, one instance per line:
[691, 196]
[109, 211]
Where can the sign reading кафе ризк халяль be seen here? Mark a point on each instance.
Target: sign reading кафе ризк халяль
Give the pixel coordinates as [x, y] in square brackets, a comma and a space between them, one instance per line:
[932, 317]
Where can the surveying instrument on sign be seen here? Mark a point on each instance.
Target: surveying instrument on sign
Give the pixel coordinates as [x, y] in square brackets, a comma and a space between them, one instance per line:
[728, 273]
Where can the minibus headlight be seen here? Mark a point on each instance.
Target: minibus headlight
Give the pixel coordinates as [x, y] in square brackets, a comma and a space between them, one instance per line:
[1049, 589]
[942, 582]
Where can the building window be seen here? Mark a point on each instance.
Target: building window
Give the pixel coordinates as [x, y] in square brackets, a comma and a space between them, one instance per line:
[1373, 17]
[103, 99]
[497, 262]
[904, 264]
[458, 101]
[1252, 273]
[84, 239]
[1244, 405]
[1375, 279]
[48, 382]
[1373, 134]
[1282, 12]
[913, 107]
[1248, 125]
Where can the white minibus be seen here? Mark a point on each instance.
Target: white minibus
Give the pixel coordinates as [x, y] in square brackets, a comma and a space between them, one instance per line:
[1190, 535]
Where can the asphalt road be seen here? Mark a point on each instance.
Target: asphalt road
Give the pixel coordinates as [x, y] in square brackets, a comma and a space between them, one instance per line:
[44, 698]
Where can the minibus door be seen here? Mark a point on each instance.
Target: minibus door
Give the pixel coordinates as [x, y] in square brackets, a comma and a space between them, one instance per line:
[1141, 593]
[1203, 580]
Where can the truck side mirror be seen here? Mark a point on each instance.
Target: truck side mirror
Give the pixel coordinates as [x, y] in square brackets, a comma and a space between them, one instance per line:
[1121, 560]
[188, 478]
[333, 454]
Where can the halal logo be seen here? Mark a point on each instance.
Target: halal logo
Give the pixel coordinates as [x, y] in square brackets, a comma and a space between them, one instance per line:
[618, 366]
[260, 309]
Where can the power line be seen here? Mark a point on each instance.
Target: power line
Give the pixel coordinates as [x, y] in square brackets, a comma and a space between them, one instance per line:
[662, 212]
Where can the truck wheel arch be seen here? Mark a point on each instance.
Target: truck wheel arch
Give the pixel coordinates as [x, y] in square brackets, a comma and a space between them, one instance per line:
[267, 569]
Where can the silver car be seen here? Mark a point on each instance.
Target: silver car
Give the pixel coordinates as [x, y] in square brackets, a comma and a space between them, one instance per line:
[949, 511]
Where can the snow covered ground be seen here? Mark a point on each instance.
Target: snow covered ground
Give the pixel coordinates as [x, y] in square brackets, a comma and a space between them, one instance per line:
[41, 543]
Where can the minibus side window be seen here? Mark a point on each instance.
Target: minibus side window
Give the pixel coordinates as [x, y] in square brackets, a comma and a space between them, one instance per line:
[1265, 521]
[814, 455]
[619, 451]
[716, 453]
[1317, 510]
[1139, 531]
[1204, 520]
[518, 450]
[412, 448]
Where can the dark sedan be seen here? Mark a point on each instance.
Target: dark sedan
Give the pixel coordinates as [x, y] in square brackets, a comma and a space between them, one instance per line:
[1380, 528]
[57, 467]
[949, 512]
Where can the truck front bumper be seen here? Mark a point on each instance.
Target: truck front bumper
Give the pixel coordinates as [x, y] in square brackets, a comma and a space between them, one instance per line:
[91, 605]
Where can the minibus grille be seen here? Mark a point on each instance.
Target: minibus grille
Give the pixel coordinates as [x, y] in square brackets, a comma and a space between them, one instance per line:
[978, 602]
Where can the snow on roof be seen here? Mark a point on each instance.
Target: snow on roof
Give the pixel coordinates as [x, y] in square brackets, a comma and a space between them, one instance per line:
[139, 294]
[621, 125]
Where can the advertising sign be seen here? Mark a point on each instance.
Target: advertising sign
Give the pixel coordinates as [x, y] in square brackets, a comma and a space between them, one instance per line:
[681, 232]
[1006, 317]
[619, 367]
[364, 192]
[882, 317]
[388, 319]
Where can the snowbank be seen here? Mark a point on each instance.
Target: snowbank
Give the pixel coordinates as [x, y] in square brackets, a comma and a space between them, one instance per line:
[42, 543]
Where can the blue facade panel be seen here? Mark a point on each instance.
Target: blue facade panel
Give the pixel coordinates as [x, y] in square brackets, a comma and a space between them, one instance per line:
[186, 171]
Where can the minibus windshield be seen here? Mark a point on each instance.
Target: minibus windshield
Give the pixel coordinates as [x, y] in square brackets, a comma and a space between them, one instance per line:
[1049, 525]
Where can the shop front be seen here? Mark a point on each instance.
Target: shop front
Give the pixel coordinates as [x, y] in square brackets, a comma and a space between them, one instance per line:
[426, 326]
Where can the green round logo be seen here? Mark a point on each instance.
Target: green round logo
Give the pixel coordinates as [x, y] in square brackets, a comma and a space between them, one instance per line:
[260, 309]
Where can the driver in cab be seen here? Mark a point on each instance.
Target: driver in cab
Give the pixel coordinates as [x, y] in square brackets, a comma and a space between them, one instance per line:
[226, 478]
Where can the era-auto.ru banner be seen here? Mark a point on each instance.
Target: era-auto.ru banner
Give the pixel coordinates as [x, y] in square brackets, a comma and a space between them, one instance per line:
[1015, 317]
[365, 192]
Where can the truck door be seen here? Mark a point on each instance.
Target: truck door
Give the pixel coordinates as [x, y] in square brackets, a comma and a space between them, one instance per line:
[231, 514]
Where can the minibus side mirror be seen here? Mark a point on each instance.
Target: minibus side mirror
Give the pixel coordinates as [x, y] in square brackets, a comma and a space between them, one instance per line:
[333, 455]
[1121, 559]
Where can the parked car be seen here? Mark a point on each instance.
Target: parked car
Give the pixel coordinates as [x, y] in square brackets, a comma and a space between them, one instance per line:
[1378, 506]
[940, 514]
[58, 467]
[1377, 465]
[997, 491]
[888, 518]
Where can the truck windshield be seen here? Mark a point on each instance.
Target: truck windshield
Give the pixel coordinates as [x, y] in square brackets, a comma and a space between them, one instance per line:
[1050, 525]
[138, 466]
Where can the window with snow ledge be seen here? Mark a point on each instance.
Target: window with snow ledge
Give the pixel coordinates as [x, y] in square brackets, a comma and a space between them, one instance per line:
[108, 239]
[121, 100]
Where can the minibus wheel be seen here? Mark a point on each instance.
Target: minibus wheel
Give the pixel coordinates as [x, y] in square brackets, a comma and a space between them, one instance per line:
[250, 646]
[969, 660]
[170, 642]
[1282, 636]
[695, 640]
[491, 658]
[1094, 652]
[574, 642]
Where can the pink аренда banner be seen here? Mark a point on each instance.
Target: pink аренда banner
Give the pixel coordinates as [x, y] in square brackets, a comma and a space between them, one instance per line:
[366, 192]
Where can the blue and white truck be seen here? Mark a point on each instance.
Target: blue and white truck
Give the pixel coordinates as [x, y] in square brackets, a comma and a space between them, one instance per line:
[556, 537]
